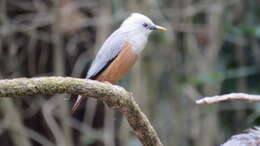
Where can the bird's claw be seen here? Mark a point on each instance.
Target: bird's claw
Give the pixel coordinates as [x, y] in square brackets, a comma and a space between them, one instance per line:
[67, 98]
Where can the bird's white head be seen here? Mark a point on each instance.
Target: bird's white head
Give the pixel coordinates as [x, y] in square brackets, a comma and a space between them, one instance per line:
[139, 23]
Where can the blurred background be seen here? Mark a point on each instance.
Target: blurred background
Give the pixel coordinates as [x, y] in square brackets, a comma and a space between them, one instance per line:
[212, 47]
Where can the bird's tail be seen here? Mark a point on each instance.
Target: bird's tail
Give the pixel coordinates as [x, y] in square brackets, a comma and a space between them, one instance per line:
[77, 103]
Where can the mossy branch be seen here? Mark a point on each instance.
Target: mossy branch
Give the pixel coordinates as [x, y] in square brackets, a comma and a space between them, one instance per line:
[115, 97]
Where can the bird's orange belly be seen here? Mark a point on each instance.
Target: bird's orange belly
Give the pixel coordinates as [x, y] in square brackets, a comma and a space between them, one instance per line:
[120, 66]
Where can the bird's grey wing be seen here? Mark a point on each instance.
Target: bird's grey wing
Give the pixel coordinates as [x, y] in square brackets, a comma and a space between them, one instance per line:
[108, 52]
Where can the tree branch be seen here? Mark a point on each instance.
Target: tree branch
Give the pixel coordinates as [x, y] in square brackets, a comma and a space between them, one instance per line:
[115, 97]
[232, 96]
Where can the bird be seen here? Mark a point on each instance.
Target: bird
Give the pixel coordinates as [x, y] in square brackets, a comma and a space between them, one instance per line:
[249, 138]
[120, 51]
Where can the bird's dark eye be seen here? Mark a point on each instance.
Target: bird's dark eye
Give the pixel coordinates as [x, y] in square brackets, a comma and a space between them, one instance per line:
[145, 24]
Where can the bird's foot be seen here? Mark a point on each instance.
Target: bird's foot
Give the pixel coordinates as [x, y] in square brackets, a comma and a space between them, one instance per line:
[67, 98]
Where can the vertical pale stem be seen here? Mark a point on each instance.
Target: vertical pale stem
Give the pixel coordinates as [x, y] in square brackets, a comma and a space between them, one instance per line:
[17, 130]
[59, 68]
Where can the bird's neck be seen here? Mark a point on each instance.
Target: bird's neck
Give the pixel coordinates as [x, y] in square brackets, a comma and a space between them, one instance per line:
[137, 40]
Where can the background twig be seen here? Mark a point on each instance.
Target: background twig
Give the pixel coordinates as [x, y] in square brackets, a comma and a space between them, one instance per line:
[232, 96]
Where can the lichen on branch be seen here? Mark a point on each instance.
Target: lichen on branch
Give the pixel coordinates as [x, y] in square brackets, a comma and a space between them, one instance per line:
[114, 96]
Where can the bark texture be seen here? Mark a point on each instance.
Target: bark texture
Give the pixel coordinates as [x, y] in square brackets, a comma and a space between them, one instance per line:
[114, 96]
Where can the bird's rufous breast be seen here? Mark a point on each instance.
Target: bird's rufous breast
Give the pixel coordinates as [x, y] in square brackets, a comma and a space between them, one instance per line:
[120, 65]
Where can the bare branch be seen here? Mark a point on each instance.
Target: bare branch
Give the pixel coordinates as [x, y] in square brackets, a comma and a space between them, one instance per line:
[232, 96]
[115, 97]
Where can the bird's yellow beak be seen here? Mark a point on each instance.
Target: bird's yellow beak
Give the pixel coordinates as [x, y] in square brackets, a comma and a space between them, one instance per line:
[161, 28]
[156, 27]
